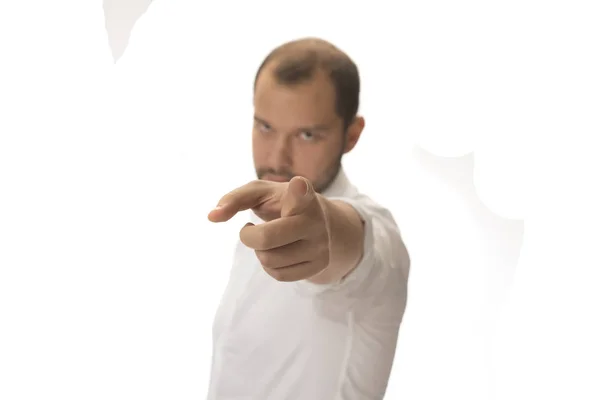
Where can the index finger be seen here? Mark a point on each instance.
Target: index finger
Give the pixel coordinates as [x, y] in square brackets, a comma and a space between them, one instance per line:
[245, 197]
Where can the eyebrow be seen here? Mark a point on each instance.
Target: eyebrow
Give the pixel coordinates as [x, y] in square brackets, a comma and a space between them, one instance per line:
[261, 121]
[319, 127]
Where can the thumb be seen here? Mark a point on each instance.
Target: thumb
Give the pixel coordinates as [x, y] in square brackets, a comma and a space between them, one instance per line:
[298, 196]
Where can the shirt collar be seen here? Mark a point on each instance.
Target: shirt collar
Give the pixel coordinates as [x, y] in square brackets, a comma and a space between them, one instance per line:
[340, 186]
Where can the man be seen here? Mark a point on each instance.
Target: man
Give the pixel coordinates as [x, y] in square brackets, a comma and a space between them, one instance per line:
[318, 286]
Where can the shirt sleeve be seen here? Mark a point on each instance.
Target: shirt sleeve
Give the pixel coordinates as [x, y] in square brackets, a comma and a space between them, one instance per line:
[385, 256]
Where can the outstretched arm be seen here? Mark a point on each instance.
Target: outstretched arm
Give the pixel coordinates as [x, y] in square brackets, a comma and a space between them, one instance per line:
[346, 241]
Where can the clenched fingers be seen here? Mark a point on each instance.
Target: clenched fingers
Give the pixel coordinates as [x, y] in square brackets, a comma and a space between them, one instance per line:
[286, 256]
[277, 233]
[296, 272]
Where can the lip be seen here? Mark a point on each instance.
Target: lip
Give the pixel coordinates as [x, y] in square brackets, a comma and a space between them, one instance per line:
[275, 178]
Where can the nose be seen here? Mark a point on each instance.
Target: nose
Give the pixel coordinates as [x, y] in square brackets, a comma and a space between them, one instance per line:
[281, 153]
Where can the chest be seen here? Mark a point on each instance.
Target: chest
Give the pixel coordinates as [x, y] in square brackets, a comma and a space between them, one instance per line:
[269, 335]
[257, 308]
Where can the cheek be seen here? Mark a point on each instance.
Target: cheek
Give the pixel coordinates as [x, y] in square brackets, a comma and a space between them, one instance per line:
[259, 148]
[311, 161]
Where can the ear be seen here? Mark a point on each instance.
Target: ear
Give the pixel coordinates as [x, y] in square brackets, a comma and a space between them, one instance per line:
[353, 134]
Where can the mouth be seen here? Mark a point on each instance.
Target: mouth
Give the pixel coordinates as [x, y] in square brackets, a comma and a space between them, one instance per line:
[275, 178]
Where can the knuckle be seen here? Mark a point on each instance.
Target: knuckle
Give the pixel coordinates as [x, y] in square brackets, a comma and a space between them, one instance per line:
[263, 238]
[266, 259]
[261, 257]
[256, 183]
[257, 237]
[245, 235]
[278, 275]
[225, 199]
[319, 248]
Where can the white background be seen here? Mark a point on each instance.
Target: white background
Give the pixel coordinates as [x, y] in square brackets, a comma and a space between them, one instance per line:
[480, 129]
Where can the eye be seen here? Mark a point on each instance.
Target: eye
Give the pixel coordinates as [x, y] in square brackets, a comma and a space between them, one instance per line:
[263, 128]
[308, 136]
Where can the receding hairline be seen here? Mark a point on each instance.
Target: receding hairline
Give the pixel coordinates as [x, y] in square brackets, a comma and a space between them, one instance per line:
[313, 45]
[316, 52]
[302, 60]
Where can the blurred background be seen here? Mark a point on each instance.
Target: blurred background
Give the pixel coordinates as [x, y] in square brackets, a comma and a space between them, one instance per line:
[125, 121]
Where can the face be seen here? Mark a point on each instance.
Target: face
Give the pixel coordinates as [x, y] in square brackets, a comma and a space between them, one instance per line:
[297, 131]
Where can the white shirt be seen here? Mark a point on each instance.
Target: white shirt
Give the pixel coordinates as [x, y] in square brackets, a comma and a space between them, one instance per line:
[301, 341]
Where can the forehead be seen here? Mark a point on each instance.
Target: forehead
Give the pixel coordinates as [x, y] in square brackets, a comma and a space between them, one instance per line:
[309, 101]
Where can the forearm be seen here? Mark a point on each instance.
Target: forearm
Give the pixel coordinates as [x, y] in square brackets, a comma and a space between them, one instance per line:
[346, 240]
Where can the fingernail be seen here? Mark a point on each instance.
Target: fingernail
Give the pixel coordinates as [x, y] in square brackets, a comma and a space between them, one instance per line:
[305, 188]
[304, 191]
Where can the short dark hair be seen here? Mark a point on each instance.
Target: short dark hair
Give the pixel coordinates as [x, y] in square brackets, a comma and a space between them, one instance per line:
[298, 61]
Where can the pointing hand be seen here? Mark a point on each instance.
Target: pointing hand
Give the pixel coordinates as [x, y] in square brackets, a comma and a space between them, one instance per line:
[294, 242]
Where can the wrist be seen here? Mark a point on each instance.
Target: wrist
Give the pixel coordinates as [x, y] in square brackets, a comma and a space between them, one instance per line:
[346, 239]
